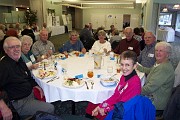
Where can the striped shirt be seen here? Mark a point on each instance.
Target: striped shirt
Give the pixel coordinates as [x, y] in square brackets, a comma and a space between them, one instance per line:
[147, 56]
[40, 48]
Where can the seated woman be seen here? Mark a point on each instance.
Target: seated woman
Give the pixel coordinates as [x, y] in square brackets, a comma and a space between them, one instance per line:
[160, 79]
[101, 45]
[128, 87]
[73, 44]
[27, 56]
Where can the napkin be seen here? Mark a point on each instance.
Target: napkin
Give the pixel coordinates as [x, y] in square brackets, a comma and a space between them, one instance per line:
[79, 76]
[63, 58]
[81, 55]
[112, 58]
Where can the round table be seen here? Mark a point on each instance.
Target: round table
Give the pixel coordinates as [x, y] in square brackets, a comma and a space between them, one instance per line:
[78, 66]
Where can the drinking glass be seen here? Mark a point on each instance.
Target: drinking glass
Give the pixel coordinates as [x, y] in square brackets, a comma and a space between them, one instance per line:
[110, 69]
[90, 73]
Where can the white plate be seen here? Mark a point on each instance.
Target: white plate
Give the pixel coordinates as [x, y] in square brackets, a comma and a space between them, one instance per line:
[65, 84]
[53, 74]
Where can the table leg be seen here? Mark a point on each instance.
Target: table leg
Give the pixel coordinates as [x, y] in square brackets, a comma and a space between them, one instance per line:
[73, 108]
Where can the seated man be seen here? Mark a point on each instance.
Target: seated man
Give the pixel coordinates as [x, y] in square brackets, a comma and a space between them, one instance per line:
[160, 79]
[147, 57]
[43, 48]
[129, 43]
[16, 81]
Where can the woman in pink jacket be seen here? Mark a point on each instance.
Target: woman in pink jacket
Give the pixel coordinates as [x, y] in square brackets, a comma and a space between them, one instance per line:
[128, 87]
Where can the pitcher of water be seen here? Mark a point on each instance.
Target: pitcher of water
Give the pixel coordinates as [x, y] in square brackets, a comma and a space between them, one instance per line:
[97, 61]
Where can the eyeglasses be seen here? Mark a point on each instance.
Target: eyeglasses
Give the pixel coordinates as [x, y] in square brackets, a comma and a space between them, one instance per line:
[15, 46]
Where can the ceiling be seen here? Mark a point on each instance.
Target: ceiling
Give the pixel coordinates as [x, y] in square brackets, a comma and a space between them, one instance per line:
[169, 7]
[85, 4]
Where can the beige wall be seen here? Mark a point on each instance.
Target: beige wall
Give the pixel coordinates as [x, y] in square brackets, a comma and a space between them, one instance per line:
[88, 12]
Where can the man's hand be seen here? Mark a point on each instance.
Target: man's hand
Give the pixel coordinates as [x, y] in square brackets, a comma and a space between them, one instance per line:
[5, 111]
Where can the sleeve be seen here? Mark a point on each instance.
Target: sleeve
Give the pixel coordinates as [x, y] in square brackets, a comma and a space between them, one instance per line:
[140, 58]
[35, 50]
[137, 48]
[160, 76]
[108, 46]
[53, 48]
[116, 50]
[143, 69]
[94, 47]
[81, 45]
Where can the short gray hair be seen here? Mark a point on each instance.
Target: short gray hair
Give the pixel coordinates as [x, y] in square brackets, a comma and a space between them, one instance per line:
[5, 45]
[26, 38]
[167, 46]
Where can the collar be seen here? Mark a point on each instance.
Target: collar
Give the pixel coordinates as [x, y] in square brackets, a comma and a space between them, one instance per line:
[130, 75]
[129, 40]
[43, 42]
[152, 45]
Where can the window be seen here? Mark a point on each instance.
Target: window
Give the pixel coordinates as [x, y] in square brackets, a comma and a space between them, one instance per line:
[178, 22]
[165, 18]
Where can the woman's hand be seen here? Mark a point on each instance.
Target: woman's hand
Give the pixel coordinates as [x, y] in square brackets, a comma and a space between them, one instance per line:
[83, 50]
[95, 111]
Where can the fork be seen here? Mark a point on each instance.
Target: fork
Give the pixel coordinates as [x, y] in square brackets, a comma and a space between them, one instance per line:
[92, 83]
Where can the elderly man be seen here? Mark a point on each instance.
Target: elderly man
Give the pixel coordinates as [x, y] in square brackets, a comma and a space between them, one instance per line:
[129, 43]
[86, 37]
[43, 48]
[147, 57]
[17, 83]
[160, 79]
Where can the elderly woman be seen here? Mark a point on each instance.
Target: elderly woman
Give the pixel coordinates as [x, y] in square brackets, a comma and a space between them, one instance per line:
[160, 79]
[101, 46]
[73, 44]
[27, 55]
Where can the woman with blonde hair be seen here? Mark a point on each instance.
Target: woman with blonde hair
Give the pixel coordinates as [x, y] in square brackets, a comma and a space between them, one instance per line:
[26, 54]
[101, 46]
[73, 44]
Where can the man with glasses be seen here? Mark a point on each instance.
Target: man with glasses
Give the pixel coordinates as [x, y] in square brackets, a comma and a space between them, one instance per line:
[129, 43]
[147, 57]
[17, 83]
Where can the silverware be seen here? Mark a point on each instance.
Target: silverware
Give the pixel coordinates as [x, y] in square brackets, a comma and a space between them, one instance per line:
[92, 83]
[86, 85]
[44, 66]
[54, 78]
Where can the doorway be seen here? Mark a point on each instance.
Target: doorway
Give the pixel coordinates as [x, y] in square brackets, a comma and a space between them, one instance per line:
[126, 20]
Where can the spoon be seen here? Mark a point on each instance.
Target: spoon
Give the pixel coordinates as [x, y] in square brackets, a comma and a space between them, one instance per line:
[92, 83]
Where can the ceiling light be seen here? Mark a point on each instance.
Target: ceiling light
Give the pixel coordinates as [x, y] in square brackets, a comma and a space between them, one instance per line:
[176, 6]
[165, 10]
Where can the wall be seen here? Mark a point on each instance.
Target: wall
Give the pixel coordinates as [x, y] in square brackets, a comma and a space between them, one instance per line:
[79, 18]
[87, 13]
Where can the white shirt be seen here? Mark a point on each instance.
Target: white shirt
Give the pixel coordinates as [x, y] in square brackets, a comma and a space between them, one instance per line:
[99, 47]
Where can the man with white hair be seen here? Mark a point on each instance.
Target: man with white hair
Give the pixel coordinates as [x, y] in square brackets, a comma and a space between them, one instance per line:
[129, 43]
[17, 83]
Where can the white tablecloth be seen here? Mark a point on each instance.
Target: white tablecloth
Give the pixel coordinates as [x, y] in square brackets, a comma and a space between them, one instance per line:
[56, 30]
[55, 91]
[166, 35]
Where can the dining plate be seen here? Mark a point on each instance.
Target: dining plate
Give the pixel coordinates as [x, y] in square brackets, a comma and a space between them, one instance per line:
[44, 74]
[73, 83]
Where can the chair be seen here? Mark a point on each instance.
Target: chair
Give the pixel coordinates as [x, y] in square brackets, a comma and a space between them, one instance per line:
[114, 44]
[49, 35]
[172, 111]
[137, 108]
